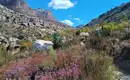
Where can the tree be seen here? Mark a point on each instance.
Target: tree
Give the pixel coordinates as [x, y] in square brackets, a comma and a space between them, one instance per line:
[125, 24]
[110, 26]
[102, 25]
[57, 40]
[86, 29]
[119, 26]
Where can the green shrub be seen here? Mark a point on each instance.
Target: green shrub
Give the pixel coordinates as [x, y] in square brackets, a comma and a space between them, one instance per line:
[46, 63]
[52, 53]
[2, 61]
[127, 36]
[57, 41]
[119, 27]
[48, 37]
[3, 54]
[25, 44]
[99, 67]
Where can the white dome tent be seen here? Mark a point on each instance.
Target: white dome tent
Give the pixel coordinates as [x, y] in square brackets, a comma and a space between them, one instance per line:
[42, 45]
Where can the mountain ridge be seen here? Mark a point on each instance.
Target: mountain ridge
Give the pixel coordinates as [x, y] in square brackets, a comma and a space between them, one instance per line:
[116, 14]
[22, 7]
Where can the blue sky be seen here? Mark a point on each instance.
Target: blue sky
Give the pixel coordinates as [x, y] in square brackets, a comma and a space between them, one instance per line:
[76, 12]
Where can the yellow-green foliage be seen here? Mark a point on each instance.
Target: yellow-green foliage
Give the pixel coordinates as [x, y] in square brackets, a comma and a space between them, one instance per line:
[66, 32]
[125, 24]
[109, 26]
[119, 27]
[95, 27]
[69, 31]
[63, 33]
[47, 63]
[99, 67]
[48, 37]
[26, 44]
[2, 50]
[52, 53]
[86, 29]
[3, 54]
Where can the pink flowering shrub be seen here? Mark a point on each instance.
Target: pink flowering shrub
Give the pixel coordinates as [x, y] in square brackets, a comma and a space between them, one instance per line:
[69, 72]
[29, 68]
[72, 71]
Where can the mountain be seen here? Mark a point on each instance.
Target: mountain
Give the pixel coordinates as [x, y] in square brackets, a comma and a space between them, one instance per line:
[79, 26]
[23, 27]
[116, 14]
[13, 4]
[47, 14]
[22, 7]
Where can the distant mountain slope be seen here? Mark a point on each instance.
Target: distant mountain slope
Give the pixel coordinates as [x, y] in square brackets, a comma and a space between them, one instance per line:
[79, 26]
[117, 14]
[19, 6]
[20, 26]
[22, 7]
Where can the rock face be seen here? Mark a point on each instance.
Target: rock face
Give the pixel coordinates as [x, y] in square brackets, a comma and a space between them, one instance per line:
[48, 15]
[19, 22]
[117, 14]
[22, 7]
[15, 25]
[11, 16]
[121, 53]
[13, 4]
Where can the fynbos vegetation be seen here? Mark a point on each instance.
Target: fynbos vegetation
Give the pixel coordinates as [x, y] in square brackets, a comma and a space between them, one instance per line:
[35, 46]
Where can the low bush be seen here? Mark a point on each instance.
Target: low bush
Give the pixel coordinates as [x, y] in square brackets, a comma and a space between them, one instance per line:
[99, 67]
[25, 44]
[48, 37]
[52, 53]
[3, 54]
[57, 41]
[127, 36]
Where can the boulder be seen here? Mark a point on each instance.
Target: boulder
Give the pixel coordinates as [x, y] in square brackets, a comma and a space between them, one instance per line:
[4, 40]
[115, 50]
[84, 34]
[125, 44]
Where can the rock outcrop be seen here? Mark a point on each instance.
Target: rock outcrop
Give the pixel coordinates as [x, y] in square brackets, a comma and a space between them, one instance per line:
[23, 27]
[22, 7]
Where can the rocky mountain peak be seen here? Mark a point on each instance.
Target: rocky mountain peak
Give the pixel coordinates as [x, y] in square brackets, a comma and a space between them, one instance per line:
[40, 9]
[22, 7]
[48, 14]
[12, 4]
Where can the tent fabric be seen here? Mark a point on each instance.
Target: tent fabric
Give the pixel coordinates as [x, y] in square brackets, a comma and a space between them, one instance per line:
[42, 44]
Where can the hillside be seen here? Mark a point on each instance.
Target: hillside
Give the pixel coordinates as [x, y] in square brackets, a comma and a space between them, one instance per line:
[22, 7]
[19, 26]
[35, 46]
[116, 14]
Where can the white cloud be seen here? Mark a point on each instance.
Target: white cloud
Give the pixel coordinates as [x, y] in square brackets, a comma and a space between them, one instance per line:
[61, 4]
[70, 16]
[68, 22]
[77, 19]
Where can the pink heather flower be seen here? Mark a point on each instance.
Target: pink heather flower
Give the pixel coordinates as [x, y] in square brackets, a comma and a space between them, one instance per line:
[54, 74]
[44, 78]
[63, 72]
